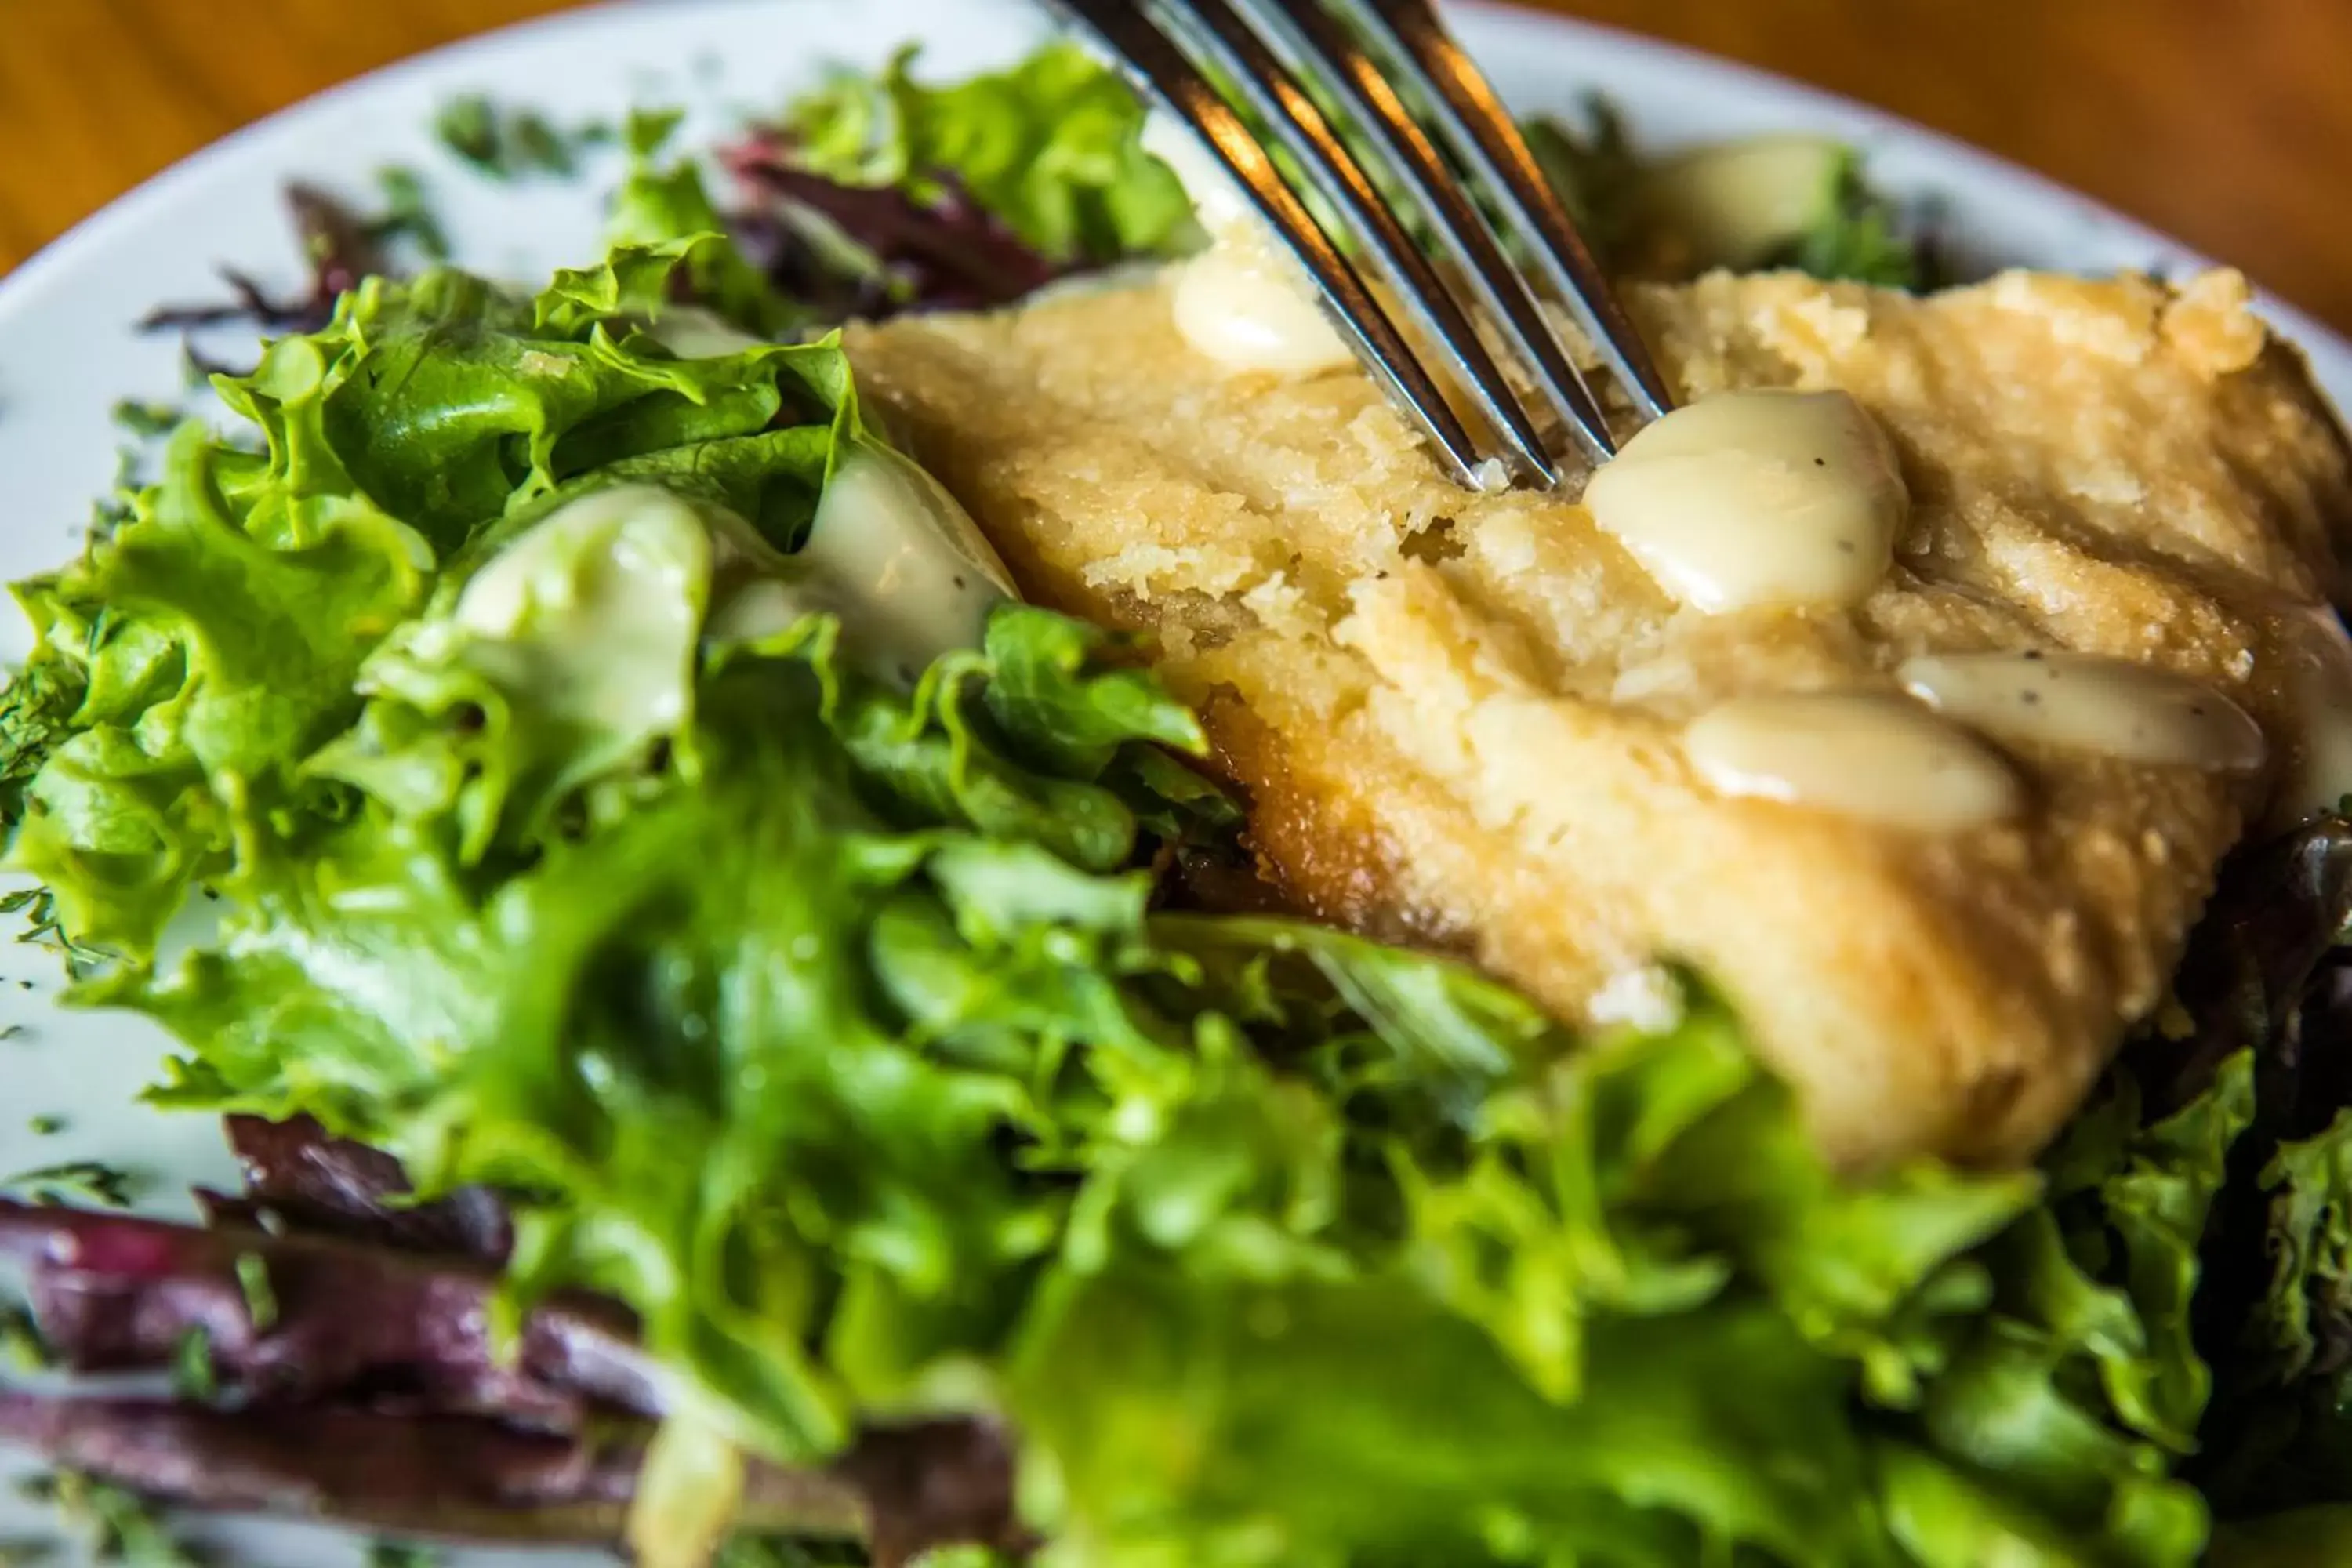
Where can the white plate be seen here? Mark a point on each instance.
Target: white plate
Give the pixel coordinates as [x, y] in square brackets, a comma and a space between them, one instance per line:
[67, 351]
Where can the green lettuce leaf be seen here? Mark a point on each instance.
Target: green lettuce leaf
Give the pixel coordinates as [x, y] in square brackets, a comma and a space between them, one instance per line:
[663, 203]
[2282, 1438]
[733, 965]
[2310, 1296]
[1052, 148]
[213, 641]
[2080, 1388]
[201, 651]
[2265, 981]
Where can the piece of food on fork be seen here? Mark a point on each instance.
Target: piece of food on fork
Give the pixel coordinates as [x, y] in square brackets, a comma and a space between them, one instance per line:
[1557, 736]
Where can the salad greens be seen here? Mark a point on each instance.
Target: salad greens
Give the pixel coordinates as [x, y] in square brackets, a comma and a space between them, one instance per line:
[1750, 205]
[663, 203]
[1052, 148]
[845, 1032]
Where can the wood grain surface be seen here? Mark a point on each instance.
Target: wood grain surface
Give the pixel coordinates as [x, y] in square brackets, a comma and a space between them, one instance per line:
[2222, 121]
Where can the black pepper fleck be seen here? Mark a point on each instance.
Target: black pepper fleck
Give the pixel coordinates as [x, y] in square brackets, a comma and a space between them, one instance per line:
[2033, 696]
[1820, 462]
[959, 580]
[2033, 653]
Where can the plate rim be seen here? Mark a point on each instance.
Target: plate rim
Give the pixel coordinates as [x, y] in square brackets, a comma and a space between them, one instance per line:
[2317, 340]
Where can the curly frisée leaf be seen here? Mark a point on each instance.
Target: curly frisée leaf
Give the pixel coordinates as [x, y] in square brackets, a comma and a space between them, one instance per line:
[665, 204]
[214, 639]
[2309, 1303]
[1577, 1336]
[718, 965]
[2077, 1393]
[199, 654]
[566, 655]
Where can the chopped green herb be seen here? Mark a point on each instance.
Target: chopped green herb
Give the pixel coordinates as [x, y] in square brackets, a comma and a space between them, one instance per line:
[509, 144]
[535, 145]
[105, 517]
[408, 213]
[260, 1301]
[468, 126]
[148, 420]
[47, 1126]
[194, 1376]
[75, 1182]
[44, 928]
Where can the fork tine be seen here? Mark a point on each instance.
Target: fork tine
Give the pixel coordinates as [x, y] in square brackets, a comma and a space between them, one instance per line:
[1488, 139]
[1309, 32]
[1161, 71]
[1269, 88]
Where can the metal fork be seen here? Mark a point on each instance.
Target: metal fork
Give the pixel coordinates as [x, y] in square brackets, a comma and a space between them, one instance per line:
[1280, 55]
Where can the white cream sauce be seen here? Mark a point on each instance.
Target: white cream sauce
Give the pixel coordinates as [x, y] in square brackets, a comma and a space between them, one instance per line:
[1243, 303]
[1757, 499]
[1249, 307]
[595, 612]
[1873, 757]
[1736, 203]
[891, 553]
[2112, 707]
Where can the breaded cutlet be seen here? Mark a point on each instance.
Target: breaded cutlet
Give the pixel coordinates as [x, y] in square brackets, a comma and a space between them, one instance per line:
[1456, 716]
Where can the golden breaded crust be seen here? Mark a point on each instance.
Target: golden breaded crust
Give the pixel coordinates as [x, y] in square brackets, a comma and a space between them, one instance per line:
[1457, 715]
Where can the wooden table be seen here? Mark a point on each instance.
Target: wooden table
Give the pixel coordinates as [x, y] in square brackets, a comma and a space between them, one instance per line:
[2225, 123]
